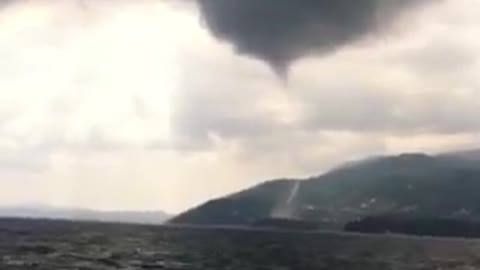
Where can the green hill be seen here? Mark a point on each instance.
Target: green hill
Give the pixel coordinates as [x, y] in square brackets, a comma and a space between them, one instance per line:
[444, 186]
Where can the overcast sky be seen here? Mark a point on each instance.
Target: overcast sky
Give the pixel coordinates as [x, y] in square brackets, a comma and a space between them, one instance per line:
[164, 104]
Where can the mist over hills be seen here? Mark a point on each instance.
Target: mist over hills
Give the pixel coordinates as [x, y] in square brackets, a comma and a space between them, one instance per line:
[445, 186]
[78, 214]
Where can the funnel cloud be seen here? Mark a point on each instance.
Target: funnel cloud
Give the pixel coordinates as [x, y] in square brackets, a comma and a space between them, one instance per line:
[281, 31]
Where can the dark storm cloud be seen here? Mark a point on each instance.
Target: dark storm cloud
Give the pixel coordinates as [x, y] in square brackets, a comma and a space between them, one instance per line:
[281, 31]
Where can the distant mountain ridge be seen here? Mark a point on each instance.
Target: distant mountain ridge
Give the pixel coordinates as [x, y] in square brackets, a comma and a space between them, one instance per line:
[49, 212]
[444, 185]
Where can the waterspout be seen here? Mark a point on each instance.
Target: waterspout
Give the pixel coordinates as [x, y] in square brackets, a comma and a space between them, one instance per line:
[286, 208]
[293, 193]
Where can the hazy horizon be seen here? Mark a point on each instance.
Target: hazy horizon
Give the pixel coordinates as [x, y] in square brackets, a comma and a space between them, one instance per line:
[142, 105]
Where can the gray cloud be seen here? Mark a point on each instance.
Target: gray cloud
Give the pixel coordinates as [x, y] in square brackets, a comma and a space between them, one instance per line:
[5, 2]
[424, 114]
[281, 31]
[421, 83]
[199, 116]
[440, 57]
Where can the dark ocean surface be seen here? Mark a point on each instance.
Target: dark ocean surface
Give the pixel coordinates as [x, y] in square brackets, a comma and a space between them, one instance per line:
[42, 244]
